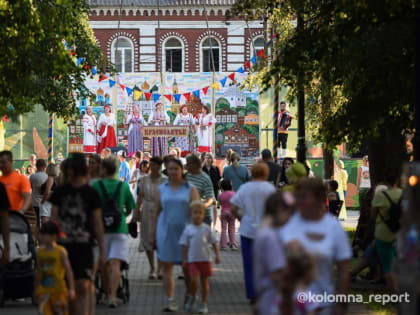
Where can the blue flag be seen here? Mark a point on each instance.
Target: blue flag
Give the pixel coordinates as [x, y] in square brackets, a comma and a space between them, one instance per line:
[129, 91]
[254, 59]
[197, 93]
[79, 61]
[177, 97]
[240, 70]
[223, 81]
[111, 83]
[156, 97]
[94, 71]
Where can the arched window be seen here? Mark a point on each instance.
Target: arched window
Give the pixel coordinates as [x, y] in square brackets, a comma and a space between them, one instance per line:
[173, 54]
[257, 46]
[122, 55]
[210, 55]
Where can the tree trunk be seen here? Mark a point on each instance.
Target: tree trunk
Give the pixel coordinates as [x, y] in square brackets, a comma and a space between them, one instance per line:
[386, 154]
[328, 163]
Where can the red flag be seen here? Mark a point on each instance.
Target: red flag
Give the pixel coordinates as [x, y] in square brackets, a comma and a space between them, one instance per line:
[169, 97]
[205, 89]
[260, 53]
[102, 77]
[248, 64]
[5, 118]
[232, 76]
[187, 96]
[148, 95]
[122, 86]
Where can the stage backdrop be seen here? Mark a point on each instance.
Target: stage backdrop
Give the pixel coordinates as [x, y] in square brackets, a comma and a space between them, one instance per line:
[236, 111]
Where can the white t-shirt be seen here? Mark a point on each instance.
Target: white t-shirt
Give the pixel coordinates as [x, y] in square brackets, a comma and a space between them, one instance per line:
[251, 198]
[197, 238]
[326, 241]
[36, 181]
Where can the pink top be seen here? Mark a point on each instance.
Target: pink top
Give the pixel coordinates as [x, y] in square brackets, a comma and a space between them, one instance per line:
[224, 199]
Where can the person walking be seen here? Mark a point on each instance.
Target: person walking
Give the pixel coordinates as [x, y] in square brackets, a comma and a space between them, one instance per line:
[274, 168]
[77, 210]
[94, 168]
[116, 237]
[363, 180]
[214, 173]
[284, 122]
[17, 186]
[46, 189]
[226, 217]
[248, 206]
[124, 172]
[202, 182]
[171, 216]
[148, 187]
[236, 173]
[36, 180]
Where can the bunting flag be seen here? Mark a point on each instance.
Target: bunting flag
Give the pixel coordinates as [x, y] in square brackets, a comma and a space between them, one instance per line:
[248, 64]
[111, 83]
[187, 96]
[223, 81]
[260, 53]
[177, 97]
[216, 86]
[122, 86]
[205, 90]
[240, 70]
[232, 76]
[148, 95]
[102, 77]
[94, 71]
[79, 61]
[129, 91]
[197, 93]
[156, 97]
[137, 94]
[168, 96]
[254, 59]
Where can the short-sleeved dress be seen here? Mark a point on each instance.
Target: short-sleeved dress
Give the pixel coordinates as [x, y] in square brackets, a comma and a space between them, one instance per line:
[172, 220]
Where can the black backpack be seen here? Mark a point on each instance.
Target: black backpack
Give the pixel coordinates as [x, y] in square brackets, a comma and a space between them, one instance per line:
[394, 215]
[111, 213]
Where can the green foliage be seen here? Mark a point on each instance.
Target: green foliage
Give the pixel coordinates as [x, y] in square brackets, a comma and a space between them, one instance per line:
[355, 58]
[35, 67]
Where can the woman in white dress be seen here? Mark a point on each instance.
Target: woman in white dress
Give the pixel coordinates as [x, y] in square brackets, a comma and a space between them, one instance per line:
[106, 130]
[205, 123]
[89, 131]
[184, 118]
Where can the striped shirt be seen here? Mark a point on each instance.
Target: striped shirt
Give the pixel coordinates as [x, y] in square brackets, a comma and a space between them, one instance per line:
[204, 187]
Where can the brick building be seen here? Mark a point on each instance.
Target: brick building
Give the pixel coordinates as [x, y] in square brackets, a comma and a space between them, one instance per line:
[182, 43]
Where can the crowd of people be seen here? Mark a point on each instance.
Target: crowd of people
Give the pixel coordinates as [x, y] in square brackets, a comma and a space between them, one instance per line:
[290, 238]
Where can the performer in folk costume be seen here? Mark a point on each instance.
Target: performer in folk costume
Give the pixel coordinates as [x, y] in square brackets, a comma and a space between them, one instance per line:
[283, 124]
[89, 131]
[159, 118]
[135, 138]
[184, 118]
[205, 123]
[106, 130]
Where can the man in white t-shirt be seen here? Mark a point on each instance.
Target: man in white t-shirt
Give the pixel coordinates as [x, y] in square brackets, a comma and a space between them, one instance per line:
[36, 180]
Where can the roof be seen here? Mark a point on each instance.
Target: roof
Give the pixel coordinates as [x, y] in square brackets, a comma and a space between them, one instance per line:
[225, 111]
[162, 3]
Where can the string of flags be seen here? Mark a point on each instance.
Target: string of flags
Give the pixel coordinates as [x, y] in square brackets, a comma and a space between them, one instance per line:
[156, 96]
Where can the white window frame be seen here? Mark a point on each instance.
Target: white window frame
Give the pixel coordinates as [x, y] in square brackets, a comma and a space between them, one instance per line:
[122, 53]
[202, 54]
[252, 45]
[164, 52]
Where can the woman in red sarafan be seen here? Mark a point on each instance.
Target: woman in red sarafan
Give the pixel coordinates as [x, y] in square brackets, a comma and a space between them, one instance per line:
[106, 130]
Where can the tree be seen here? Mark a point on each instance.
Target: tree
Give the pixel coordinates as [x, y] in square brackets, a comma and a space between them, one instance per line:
[35, 66]
[360, 54]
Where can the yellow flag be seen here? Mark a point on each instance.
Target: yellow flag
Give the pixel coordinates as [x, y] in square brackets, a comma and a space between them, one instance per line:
[216, 86]
[137, 94]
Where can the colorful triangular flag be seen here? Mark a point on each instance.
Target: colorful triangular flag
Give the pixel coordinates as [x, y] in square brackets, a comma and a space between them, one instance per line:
[156, 97]
[187, 96]
[102, 77]
[248, 64]
[197, 93]
[122, 86]
[216, 86]
[148, 95]
[79, 61]
[260, 53]
[168, 96]
[177, 97]
[223, 81]
[254, 59]
[137, 94]
[240, 70]
[232, 76]
[129, 91]
[205, 90]
[111, 83]
[94, 71]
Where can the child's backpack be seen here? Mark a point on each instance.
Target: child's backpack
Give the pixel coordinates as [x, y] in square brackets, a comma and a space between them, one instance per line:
[394, 216]
[111, 213]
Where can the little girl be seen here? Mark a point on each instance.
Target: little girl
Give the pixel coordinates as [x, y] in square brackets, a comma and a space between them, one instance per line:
[227, 219]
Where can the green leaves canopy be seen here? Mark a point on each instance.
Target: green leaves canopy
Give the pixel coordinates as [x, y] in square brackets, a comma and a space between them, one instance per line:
[35, 67]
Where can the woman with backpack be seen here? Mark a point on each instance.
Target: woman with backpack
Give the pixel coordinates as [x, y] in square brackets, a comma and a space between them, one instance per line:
[117, 203]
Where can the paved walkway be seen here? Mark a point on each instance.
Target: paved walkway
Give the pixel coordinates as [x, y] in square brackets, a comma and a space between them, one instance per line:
[147, 297]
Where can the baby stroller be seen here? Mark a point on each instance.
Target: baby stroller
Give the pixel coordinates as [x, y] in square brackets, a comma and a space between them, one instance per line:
[123, 292]
[17, 278]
